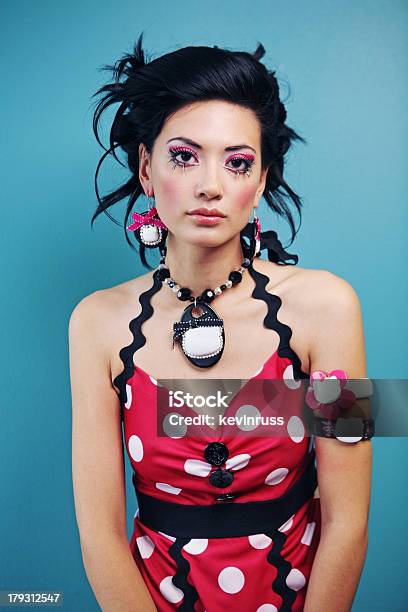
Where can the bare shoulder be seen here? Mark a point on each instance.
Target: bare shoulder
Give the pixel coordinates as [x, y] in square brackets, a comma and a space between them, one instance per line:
[101, 313]
[313, 287]
[322, 290]
[101, 303]
[318, 298]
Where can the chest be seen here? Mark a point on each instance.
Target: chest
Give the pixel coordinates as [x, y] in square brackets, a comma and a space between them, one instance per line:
[254, 331]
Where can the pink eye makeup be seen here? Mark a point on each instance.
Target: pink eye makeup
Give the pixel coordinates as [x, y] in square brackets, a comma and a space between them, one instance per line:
[181, 156]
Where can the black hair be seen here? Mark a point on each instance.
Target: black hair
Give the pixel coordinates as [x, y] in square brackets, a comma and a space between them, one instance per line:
[149, 91]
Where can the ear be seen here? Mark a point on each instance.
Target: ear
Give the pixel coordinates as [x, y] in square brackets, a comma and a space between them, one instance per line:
[145, 169]
[262, 183]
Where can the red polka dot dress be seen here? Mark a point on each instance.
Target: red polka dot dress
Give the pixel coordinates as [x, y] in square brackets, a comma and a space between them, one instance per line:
[258, 570]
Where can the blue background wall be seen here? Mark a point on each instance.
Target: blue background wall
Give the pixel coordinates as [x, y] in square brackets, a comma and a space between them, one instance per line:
[346, 63]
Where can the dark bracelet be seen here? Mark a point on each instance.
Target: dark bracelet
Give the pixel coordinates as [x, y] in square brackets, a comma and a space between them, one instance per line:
[349, 430]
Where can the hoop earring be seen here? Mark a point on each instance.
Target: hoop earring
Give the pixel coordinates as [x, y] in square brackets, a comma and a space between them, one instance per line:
[148, 228]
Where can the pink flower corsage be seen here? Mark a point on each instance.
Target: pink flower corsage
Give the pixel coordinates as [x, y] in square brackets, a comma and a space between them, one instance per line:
[327, 393]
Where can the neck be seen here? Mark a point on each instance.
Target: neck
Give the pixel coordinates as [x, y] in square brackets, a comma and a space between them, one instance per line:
[200, 268]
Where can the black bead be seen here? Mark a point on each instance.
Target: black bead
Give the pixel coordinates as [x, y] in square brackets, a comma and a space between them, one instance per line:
[163, 273]
[246, 263]
[222, 287]
[184, 293]
[207, 295]
[221, 478]
[216, 453]
[235, 277]
[171, 284]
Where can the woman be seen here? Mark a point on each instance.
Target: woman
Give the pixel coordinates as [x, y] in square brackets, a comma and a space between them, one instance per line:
[205, 135]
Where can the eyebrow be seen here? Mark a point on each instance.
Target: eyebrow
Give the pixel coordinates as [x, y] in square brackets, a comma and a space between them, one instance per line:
[195, 144]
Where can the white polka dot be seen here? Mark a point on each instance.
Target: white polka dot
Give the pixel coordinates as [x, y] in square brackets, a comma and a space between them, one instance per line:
[163, 486]
[237, 462]
[259, 540]
[231, 579]
[178, 430]
[267, 608]
[135, 448]
[197, 467]
[287, 525]
[169, 591]
[289, 379]
[196, 546]
[245, 412]
[349, 439]
[296, 429]
[276, 476]
[145, 546]
[166, 535]
[128, 397]
[295, 579]
[308, 535]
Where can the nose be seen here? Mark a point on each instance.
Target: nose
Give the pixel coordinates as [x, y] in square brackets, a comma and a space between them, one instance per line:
[209, 185]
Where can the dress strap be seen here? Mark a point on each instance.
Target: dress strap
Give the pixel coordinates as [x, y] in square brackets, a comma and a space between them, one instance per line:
[126, 353]
[271, 321]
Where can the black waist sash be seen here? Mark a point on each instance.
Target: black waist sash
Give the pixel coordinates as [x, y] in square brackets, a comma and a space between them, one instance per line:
[226, 519]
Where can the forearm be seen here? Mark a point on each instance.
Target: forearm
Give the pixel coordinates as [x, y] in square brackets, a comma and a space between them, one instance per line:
[336, 570]
[114, 576]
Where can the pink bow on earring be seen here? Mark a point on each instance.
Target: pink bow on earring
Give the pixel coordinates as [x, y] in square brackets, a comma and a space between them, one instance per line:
[329, 397]
[147, 219]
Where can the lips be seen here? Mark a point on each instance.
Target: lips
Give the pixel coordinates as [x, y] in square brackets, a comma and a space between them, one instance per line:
[207, 212]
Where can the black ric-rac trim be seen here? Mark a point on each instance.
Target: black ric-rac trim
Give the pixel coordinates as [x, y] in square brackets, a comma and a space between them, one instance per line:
[284, 567]
[135, 326]
[180, 577]
[271, 321]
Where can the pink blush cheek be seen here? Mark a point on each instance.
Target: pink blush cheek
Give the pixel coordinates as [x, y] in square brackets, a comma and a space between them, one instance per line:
[170, 191]
[244, 197]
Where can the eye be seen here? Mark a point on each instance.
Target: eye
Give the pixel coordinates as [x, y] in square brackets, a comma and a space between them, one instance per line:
[238, 160]
[183, 153]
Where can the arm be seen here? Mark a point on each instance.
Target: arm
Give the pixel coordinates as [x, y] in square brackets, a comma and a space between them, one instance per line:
[97, 466]
[344, 470]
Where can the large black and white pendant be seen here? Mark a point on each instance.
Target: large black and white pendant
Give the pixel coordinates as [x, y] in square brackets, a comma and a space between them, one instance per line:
[202, 337]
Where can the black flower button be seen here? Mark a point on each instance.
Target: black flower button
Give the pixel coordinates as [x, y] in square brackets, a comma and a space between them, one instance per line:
[216, 453]
[221, 478]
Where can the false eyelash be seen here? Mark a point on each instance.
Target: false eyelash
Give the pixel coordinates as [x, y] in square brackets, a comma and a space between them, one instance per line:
[249, 162]
[173, 154]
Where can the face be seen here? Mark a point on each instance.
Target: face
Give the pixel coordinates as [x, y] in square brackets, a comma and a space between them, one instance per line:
[208, 155]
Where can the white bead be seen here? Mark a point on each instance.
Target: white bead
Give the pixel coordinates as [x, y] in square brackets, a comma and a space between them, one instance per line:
[217, 291]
